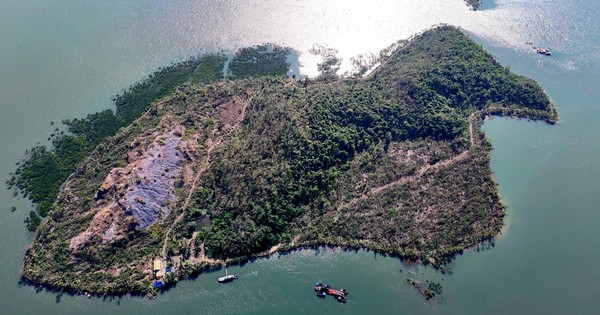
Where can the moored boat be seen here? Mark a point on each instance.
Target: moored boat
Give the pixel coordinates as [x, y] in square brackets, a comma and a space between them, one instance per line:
[324, 289]
[544, 51]
[227, 277]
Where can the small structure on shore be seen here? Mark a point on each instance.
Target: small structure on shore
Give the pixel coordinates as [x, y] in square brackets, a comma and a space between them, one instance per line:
[157, 265]
[158, 273]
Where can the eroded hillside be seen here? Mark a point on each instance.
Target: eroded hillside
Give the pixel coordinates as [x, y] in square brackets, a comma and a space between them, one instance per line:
[395, 162]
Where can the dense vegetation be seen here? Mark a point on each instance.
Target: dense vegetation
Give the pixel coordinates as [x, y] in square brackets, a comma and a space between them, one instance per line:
[259, 61]
[311, 137]
[43, 170]
[393, 162]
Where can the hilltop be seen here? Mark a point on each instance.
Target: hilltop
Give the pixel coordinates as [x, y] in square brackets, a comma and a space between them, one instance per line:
[219, 172]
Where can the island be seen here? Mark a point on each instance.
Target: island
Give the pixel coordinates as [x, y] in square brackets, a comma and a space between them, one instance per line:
[195, 170]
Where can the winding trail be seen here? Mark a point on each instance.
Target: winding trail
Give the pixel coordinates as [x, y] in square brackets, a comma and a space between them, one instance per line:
[189, 196]
[406, 179]
[205, 164]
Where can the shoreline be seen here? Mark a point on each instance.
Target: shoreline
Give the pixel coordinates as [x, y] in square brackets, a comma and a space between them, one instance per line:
[426, 255]
[239, 262]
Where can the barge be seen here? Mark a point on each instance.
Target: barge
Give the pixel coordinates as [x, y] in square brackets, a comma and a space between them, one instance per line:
[324, 289]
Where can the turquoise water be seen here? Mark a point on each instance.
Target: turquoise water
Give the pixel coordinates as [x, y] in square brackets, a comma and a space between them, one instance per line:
[63, 59]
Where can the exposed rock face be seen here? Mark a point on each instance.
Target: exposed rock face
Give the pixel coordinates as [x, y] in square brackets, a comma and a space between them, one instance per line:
[271, 160]
[154, 181]
[142, 193]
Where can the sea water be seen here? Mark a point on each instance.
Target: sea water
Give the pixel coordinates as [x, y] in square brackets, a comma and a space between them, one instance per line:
[66, 58]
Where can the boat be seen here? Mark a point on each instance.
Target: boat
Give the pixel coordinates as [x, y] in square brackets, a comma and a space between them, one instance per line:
[325, 289]
[544, 51]
[227, 277]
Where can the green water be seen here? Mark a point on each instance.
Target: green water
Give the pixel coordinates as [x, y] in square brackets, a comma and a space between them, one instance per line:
[63, 59]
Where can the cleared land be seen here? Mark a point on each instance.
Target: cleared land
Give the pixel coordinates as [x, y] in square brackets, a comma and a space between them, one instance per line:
[395, 162]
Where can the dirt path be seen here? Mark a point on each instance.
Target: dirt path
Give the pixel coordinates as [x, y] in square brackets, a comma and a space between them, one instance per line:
[404, 180]
[189, 196]
[471, 136]
[205, 164]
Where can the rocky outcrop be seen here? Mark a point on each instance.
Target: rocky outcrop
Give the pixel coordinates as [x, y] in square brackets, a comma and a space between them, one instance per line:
[147, 199]
[143, 192]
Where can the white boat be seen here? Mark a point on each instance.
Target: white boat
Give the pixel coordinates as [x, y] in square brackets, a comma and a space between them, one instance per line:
[544, 51]
[227, 277]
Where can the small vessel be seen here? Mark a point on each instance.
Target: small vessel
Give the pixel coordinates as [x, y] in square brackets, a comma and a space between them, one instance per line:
[227, 277]
[544, 51]
[324, 290]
